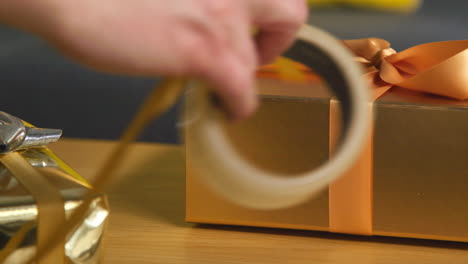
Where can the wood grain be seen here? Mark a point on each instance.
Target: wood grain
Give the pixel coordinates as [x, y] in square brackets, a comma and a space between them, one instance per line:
[147, 221]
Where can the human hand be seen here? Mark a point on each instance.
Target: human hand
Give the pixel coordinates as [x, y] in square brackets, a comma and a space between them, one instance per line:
[207, 39]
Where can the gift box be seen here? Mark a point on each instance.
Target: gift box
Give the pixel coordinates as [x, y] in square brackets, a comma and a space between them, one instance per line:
[38, 192]
[410, 180]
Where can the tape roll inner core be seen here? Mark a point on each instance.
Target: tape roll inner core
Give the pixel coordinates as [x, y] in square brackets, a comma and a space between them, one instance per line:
[288, 134]
[233, 177]
[316, 59]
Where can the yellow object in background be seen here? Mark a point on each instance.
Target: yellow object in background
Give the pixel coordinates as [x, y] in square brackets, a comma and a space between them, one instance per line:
[404, 6]
[289, 70]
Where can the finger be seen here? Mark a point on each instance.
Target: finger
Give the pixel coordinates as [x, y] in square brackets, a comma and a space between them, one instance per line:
[227, 62]
[236, 86]
[241, 41]
[231, 29]
[278, 22]
[233, 83]
[271, 44]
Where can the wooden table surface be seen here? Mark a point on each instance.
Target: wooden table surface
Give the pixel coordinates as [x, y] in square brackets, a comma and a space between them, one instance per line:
[147, 221]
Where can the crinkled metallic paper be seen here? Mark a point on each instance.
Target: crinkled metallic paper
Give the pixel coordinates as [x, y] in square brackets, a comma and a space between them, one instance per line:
[17, 207]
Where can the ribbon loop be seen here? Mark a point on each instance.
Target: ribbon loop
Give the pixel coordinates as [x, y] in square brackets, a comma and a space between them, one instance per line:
[367, 48]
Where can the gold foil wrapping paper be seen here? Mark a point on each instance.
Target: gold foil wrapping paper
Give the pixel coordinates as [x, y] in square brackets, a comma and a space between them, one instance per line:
[18, 207]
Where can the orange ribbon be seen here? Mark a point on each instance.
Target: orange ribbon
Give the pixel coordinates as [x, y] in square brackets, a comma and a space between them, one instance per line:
[439, 68]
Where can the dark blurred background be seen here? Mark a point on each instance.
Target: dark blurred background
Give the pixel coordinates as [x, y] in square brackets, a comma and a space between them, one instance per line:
[48, 90]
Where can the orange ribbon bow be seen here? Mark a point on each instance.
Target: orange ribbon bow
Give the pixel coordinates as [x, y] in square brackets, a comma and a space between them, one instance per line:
[439, 68]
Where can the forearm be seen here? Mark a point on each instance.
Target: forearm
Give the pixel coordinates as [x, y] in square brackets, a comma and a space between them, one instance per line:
[36, 16]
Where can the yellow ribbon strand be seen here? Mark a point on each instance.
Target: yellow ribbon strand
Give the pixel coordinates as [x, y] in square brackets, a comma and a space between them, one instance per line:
[161, 99]
[16, 240]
